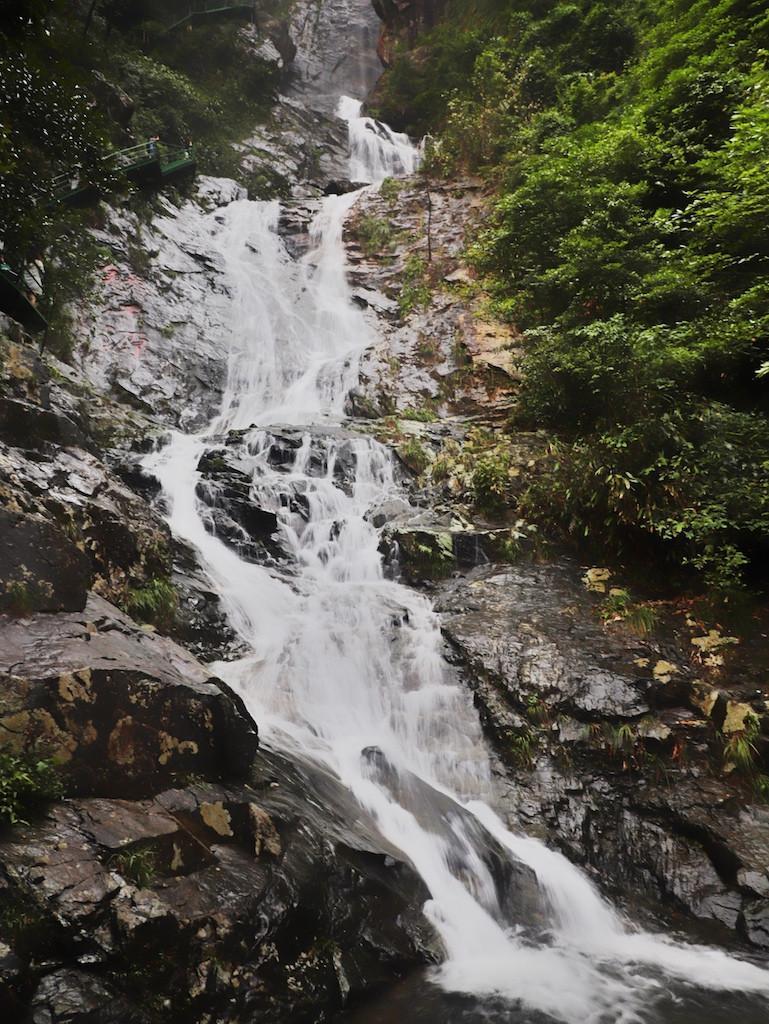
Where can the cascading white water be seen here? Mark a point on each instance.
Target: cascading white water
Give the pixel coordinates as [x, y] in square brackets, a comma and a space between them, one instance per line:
[376, 151]
[345, 667]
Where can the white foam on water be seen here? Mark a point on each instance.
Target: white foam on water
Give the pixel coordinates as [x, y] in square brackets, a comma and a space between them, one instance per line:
[376, 151]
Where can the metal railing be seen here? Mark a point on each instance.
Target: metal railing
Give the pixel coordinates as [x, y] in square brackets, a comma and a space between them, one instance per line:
[203, 7]
[122, 159]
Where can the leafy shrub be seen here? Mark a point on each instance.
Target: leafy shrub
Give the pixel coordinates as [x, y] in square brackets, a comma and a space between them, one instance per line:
[630, 242]
[691, 482]
[490, 480]
[415, 287]
[423, 415]
[414, 455]
[740, 748]
[390, 189]
[26, 780]
[374, 234]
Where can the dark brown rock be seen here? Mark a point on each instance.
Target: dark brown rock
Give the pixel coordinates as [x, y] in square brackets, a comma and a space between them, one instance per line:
[40, 568]
[124, 709]
[29, 425]
[229, 902]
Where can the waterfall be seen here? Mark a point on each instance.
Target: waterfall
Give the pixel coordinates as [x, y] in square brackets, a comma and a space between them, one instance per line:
[376, 151]
[344, 667]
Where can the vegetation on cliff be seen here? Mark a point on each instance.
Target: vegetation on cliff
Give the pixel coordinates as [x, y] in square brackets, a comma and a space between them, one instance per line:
[627, 150]
[79, 80]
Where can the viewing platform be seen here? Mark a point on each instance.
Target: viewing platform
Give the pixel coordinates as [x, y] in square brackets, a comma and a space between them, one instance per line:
[148, 164]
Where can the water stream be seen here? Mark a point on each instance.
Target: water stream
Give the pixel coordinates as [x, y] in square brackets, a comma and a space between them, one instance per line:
[344, 667]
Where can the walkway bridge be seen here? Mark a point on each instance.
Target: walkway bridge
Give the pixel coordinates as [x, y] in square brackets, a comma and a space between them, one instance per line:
[211, 10]
[148, 164]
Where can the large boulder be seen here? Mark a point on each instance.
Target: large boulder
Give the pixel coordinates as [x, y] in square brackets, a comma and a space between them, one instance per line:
[605, 736]
[530, 633]
[125, 710]
[229, 903]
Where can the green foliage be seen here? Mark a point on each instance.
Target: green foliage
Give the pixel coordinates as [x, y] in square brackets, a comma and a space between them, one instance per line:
[490, 480]
[26, 780]
[374, 234]
[155, 602]
[57, 89]
[522, 747]
[621, 739]
[740, 748]
[536, 710]
[415, 286]
[390, 189]
[138, 865]
[761, 787]
[47, 125]
[414, 455]
[170, 104]
[423, 415]
[630, 243]
[640, 618]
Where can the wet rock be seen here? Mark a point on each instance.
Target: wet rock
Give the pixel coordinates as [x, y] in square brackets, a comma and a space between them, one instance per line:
[329, 450]
[200, 624]
[234, 902]
[125, 710]
[11, 982]
[391, 510]
[420, 553]
[756, 924]
[232, 512]
[605, 765]
[77, 997]
[154, 328]
[341, 186]
[41, 569]
[299, 152]
[444, 352]
[29, 425]
[80, 516]
[517, 892]
[335, 53]
[523, 646]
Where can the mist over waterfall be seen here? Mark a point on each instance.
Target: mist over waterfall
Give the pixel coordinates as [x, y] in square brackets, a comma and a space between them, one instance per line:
[344, 668]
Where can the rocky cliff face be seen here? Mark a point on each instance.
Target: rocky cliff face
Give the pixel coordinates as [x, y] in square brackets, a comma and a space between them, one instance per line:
[188, 875]
[335, 52]
[403, 21]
